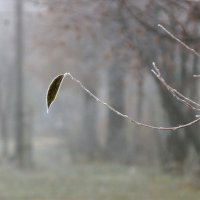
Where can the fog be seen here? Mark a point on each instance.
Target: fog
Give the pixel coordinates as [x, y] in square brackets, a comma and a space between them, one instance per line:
[82, 148]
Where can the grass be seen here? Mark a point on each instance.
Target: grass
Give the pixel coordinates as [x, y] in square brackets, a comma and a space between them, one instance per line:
[94, 182]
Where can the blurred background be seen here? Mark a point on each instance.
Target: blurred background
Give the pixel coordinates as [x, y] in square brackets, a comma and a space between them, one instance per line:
[81, 150]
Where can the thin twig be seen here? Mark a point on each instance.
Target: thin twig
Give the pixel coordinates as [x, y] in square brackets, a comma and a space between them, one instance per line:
[179, 96]
[126, 116]
[179, 41]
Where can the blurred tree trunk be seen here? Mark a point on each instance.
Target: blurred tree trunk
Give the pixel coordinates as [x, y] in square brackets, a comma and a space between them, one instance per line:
[22, 143]
[89, 145]
[116, 139]
[4, 109]
[136, 147]
[137, 141]
[192, 133]
[4, 129]
[177, 144]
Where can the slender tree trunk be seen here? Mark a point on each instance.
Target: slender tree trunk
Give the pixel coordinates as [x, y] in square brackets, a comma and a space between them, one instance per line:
[21, 147]
[116, 139]
[135, 148]
[4, 116]
[4, 135]
[89, 145]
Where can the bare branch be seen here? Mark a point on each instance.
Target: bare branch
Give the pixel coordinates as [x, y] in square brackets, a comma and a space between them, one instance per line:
[179, 96]
[179, 41]
[157, 73]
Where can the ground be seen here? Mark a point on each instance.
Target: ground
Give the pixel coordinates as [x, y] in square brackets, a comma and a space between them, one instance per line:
[94, 182]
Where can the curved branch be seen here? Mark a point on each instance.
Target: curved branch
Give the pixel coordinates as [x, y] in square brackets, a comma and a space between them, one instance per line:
[126, 116]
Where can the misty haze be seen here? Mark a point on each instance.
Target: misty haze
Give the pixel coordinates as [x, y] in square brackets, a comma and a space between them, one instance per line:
[91, 145]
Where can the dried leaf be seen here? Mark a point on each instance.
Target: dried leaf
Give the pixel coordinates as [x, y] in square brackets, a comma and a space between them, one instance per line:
[53, 90]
